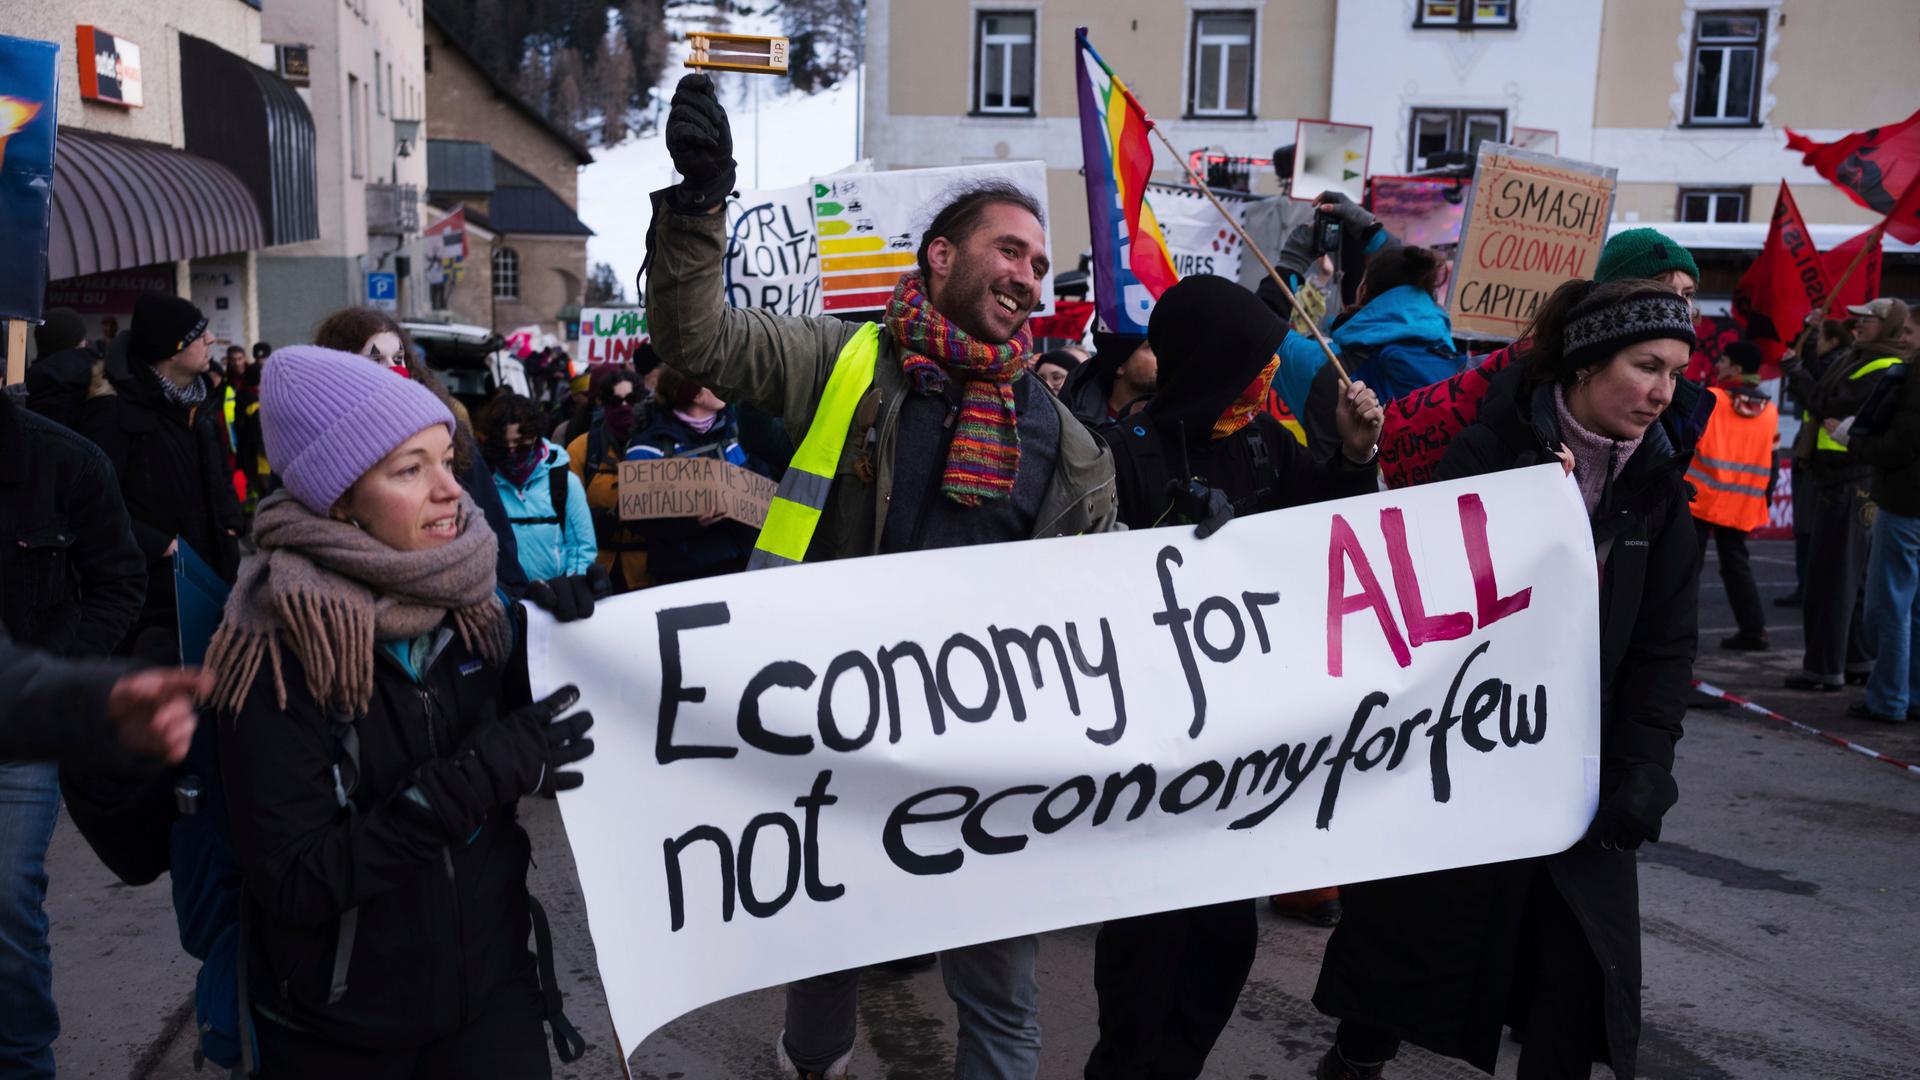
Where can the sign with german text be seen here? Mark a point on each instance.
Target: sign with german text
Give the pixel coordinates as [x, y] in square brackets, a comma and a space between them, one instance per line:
[109, 68]
[1532, 222]
[772, 258]
[809, 769]
[681, 487]
[610, 335]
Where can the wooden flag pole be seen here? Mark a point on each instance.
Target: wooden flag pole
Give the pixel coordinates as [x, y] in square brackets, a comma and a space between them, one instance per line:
[1826, 305]
[1325, 345]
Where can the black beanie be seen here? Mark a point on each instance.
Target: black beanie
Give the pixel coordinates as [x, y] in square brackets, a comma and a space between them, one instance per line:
[1212, 337]
[1744, 355]
[162, 326]
[1061, 358]
[62, 330]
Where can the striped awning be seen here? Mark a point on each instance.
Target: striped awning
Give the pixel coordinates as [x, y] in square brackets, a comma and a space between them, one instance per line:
[120, 203]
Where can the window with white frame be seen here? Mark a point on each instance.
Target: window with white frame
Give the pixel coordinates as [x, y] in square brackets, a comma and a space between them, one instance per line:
[1713, 204]
[1465, 15]
[506, 274]
[1220, 81]
[1438, 131]
[1003, 54]
[1729, 48]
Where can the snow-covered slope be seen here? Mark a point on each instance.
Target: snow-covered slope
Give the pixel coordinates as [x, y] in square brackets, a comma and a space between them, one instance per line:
[779, 139]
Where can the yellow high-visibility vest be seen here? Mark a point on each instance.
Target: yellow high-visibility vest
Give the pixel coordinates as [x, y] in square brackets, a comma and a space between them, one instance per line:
[1824, 441]
[795, 510]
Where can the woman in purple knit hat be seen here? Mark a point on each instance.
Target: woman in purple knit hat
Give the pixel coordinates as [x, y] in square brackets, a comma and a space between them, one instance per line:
[371, 749]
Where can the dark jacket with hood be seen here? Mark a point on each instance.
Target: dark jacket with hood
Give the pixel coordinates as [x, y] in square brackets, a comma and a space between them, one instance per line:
[1089, 387]
[71, 579]
[1438, 958]
[172, 466]
[1213, 338]
[368, 926]
[57, 384]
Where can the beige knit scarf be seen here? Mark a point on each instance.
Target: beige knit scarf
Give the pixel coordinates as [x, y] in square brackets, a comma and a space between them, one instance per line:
[330, 591]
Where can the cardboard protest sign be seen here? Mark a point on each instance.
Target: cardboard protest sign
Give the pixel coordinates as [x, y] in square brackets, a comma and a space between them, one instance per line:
[772, 260]
[817, 767]
[870, 225]
[1331, 157]
[692, 487]
[1199, 240]
[610, 335]
[1533, 222]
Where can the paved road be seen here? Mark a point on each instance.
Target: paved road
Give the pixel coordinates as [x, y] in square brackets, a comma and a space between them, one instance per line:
[1779, 923]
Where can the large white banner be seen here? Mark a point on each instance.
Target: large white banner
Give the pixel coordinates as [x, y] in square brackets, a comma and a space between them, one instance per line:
[1199, 240]
[811, 768]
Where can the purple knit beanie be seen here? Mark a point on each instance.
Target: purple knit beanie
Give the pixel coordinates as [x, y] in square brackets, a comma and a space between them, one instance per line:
[329, 416]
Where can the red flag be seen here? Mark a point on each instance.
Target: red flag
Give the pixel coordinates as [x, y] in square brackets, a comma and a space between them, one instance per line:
[1787, 281]
[1864, 285]
[1875, 167]
[1904, 221]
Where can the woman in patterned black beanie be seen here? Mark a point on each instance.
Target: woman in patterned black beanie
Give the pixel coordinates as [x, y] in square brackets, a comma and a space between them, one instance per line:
[1551, 945]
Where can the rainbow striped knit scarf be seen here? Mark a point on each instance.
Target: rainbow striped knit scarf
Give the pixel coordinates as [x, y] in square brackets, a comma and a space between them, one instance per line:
[985, 454]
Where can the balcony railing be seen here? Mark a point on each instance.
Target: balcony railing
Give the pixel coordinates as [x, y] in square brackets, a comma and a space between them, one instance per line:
[393, 209]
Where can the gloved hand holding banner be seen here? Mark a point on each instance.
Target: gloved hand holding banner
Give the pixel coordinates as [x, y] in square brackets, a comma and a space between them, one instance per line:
[817, 767]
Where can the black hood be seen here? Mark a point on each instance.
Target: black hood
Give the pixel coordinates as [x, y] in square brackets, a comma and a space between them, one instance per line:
[1212, 337]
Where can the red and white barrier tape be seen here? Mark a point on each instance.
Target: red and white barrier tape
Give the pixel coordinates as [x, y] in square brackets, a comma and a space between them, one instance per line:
[1734, 699]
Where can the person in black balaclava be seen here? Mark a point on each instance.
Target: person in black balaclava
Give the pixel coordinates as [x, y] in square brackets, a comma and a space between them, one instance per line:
[1202, 450]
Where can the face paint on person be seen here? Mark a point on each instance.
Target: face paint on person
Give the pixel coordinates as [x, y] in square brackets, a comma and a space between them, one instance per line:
[410, 501]
[385, 348]
[1622, 397]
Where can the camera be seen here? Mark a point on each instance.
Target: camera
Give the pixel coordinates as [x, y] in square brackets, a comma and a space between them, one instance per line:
[1326, 234]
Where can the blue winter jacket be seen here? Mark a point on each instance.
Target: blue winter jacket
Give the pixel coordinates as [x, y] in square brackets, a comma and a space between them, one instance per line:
[547, 550]
[1402, 339]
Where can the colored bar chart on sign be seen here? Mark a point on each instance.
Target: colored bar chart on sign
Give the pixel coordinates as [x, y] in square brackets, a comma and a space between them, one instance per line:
[858, 266]
[869, 226]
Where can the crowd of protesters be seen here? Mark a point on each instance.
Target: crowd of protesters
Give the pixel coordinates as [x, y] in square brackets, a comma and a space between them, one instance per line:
[368, 728]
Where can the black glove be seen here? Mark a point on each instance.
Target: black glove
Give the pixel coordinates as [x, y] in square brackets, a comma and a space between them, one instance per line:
[1198, 502]
[1630, 815]
[1276, 301]
[571, 597]
[701, 144]
[1297, 253]
[1354, 219]
[519, 754]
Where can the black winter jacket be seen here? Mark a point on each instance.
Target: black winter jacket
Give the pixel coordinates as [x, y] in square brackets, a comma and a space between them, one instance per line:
[172, 465]
[1894, 453]
[1838, 392]
[369, 927]
[1436, 958]
[57, 384]
[71, 579]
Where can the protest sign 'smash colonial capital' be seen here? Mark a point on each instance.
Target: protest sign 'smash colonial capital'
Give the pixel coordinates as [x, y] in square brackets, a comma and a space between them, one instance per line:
[1532, 222]
[803, 762]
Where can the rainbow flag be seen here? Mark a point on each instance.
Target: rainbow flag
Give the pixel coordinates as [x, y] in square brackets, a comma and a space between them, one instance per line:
[1131, 267]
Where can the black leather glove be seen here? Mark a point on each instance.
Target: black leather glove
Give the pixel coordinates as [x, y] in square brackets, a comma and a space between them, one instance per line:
[1354, 219]
[571, 597]
[519, 754]
[701, 144]
[1630, 815]
[1199, 503]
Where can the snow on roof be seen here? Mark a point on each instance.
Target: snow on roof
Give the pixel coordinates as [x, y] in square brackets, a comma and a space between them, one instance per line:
[1749, 236]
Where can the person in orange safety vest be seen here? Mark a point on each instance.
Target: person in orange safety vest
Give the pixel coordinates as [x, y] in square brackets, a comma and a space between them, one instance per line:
[1732, 477]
